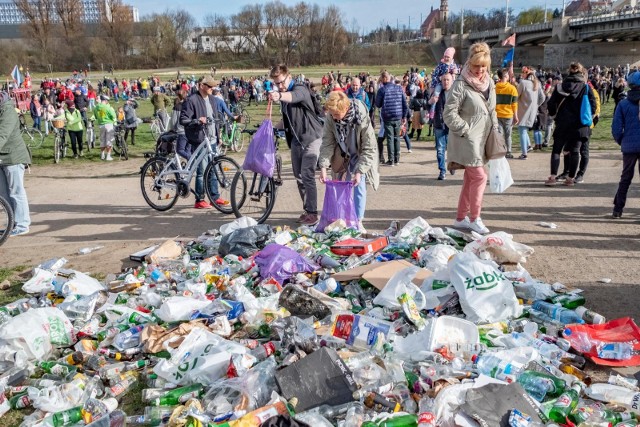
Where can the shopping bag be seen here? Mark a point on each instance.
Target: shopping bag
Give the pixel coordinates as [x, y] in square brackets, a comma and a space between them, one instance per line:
[338, 204]
[585, 109]
[261, 154]
[499, 175]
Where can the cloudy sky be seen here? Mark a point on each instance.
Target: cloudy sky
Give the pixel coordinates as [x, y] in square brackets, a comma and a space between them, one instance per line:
[364, 14]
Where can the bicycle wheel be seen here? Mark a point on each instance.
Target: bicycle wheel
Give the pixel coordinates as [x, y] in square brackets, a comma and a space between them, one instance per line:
[6, 219]
[155, 131]
[160, 192]
[238, 141]
[223, 146]
[57, 149]
[220, 171]
[253, 195]
[32, 137]
[122, 147]
[246, 118]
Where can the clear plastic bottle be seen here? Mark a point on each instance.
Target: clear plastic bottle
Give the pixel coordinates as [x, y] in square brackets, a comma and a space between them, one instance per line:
[539, 385]
[360, 360]
[615, 394]
[426, 414]
[557, 312]
[590, 316]
[501, 368]
[438, 372]
[128, 339]
[355, 415]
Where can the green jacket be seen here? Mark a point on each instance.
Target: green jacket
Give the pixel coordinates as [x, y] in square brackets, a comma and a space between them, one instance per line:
[13, 150]
[105, 114]
[74, 120]
[160, 101]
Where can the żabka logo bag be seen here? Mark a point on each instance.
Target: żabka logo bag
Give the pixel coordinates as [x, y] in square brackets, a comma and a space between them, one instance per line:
[486, 295]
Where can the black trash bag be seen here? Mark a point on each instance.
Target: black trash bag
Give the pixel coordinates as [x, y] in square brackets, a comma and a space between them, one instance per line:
[301, 303]
[246, 241]
[283, 421]
[166, 143]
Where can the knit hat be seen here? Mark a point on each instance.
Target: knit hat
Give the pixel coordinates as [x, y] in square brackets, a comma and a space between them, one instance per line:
[450, 52]
[634, 80]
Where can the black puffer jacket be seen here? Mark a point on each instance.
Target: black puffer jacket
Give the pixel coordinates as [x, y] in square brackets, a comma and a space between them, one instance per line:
[565, 103]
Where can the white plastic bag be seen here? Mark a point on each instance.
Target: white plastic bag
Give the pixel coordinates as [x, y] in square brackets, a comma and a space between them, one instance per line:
[436, 257]
[180, 308]
[499, 247]
[437, 289]
[81, 284]
[203, 357]
[39, 282]
[400, 283]
[499, 175]
[486, 295]
[413, 230]
[36, 332]
[236, 224]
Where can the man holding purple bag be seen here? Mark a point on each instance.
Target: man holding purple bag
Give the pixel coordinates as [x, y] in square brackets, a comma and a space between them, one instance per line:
[349, 147]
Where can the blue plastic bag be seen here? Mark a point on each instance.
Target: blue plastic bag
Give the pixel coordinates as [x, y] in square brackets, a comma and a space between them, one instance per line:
[585, 109]
[261, 154]
[338, 204]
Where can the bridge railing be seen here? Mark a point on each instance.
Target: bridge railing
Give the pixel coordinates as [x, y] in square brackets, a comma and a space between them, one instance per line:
[605, 17]
[483, 35]
[533, 28]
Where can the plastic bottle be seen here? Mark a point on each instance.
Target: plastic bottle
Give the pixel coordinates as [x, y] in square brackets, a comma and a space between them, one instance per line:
[438, 372]
[566, 403]
[539, 385]
[127, 354]
[355, 415]
[327, 286]
[265, 350]
[94, 409]
[122, 387]
[360, 360]
[178, 395]
[496, 367]
[590, 316]
[75, 358]
[557, 312]
[426, 415]
[68, 417]
[330, 412]
[550, 351]
[153, 416]
[128, 339]
[615, 394]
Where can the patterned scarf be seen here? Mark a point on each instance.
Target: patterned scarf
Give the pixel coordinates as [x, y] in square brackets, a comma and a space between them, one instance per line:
[342, 124]
[479, 84]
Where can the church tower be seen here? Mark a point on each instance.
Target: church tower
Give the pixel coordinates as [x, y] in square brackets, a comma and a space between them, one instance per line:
[444, 15]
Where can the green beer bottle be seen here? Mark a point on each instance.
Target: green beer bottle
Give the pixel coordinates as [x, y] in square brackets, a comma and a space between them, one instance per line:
[68, 417]
[178, 395]
[566, 403]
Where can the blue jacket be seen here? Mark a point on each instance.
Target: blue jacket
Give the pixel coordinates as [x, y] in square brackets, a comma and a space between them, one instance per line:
[361, 95]
[392, 102]
[626, 124]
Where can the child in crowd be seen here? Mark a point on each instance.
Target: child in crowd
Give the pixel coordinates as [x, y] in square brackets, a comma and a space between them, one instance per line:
[447, 65]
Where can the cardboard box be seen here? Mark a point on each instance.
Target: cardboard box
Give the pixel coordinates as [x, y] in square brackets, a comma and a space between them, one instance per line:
[360, 246]
[319, 378]
[379, 273]
[169, 250]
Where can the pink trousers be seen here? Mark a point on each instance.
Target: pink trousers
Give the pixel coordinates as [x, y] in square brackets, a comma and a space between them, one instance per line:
[473, 184]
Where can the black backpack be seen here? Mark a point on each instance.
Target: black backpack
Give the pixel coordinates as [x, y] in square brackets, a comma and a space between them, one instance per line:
[318, 110]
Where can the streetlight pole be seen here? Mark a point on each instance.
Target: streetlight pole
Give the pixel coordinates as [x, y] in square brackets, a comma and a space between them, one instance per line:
[506, 19]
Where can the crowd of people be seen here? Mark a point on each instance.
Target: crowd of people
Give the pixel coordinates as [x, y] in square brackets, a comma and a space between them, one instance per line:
[459, 104]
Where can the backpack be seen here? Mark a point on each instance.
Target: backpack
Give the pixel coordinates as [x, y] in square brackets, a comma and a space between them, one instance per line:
[318, 111]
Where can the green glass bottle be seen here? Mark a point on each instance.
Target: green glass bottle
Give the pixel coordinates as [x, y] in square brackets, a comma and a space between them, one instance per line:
[409, 420]
[570, 301]
[111, 332]
[57, 368]
[178, 395]
[68, 417]
[566, 403]
[554, 385]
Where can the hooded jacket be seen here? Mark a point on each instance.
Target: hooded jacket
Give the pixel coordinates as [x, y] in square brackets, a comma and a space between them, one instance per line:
[565, 103]
[13, 150]
[626, 123]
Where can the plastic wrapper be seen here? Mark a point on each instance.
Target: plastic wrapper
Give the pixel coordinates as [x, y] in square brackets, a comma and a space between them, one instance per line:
[499, 247]
[436, 257]
[400, 283]
[180, 308]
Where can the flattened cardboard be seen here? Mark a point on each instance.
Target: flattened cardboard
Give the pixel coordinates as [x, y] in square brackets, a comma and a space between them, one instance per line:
[378, 274]
[170, 249]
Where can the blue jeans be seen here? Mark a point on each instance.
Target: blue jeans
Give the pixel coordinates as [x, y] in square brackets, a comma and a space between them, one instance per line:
[537, 137]
[360, 197]
[524, 139]
[407, 141]
[442, 139]
[12, 189]
[36, 122]
[213, 184]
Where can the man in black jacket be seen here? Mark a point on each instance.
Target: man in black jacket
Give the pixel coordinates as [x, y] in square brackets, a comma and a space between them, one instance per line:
[197, 117]
[82, 103]
[440, 129]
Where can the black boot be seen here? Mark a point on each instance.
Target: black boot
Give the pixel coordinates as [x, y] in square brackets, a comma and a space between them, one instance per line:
[411, 133]
[430, 128]
[381, 149]
[419, 132]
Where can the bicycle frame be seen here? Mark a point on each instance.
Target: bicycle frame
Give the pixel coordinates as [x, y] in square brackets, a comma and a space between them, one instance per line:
[174, 165]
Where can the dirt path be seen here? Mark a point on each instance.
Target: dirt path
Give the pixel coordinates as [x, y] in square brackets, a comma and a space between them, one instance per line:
[101, 204]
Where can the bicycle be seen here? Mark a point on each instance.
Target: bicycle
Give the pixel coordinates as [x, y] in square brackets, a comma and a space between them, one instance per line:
[157, 126]
[241, 110]
[7, 220]
[31, 136]
[164, 178]
[119, 144]
[231, 139]
[59, 142]
[91, 135]
[255, 195]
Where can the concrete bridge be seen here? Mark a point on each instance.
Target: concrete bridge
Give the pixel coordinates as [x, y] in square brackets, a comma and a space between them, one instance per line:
[605, 39]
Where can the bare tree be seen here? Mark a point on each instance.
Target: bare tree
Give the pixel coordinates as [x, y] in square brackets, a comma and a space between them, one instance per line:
[251, 24]
[183, 24]
[39, 16]
[69, 13]
[117, 25]
[288, 24]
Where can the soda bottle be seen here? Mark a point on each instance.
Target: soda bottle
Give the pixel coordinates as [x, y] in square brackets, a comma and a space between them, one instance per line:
[57, 368]
[75, 358]
[570, 301]
[20, 400]
[540, 385]
[128, 339]
[557, 312]
[178, 395]
[95, 409]
[265, 350]
[405, 420]
[566, 403]
[426, 415]
[68, 417]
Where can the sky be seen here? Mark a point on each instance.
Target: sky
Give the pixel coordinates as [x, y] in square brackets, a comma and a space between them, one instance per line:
[364, 15]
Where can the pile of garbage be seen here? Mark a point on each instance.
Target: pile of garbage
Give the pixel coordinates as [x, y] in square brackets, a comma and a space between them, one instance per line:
[251, 326]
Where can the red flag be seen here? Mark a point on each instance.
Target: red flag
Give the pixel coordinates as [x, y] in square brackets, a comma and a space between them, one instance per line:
[510, 41]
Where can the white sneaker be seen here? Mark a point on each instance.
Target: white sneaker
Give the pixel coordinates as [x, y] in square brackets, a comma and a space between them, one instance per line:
[361, 228]
[102, 156]
[109, 158]
[465, 223]
[478, 226]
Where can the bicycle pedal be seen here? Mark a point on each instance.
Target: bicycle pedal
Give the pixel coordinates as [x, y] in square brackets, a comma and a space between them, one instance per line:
[277, 181]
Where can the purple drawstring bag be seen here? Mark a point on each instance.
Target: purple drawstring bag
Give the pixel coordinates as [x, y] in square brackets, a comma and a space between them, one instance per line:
[338, 204]
[261, 154]
[282, 263]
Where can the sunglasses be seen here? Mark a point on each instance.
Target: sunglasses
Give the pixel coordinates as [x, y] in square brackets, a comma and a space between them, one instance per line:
[210, 87]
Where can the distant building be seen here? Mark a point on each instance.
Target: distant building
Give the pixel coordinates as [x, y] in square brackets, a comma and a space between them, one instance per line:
[581, 7]
[93, 11]
[209, 40]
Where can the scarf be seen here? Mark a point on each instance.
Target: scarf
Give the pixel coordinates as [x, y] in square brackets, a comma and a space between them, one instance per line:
[343, 123]
[479, 84]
